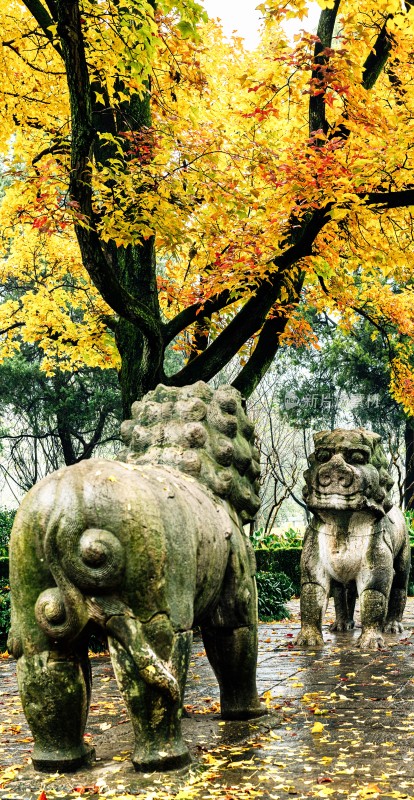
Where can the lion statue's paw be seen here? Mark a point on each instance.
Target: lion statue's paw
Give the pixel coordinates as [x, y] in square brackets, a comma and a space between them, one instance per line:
[370, 640]
[309, 637]
[343, 625]
[393, 626]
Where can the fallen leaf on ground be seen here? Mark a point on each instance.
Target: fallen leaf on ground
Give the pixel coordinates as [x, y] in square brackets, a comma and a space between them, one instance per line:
[317, 728]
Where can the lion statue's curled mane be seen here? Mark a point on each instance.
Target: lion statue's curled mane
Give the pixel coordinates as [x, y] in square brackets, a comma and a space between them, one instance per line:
[202, 432]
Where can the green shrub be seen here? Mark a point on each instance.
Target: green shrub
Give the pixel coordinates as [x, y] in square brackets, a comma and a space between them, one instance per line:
[409, 518]
[287, 561]
[277, 541]
[6, 522]
[273, 589]
[4, 612]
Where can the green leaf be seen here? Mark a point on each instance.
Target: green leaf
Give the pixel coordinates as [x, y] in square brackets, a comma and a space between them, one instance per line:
[186, 29]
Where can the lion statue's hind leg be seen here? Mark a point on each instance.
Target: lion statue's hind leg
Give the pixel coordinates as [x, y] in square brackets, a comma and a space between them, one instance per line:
[54, 684]
[53, 675]
[344, 600]
[155, 715]
[230, 635]
[54, 689]
[150, 662]
[398, 593]
[232, 653]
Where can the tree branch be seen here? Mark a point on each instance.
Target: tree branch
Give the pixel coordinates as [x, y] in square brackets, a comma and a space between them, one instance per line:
[11, 327]
[397, 199]
[90, 446]
[244, 324]
[207, 308]
[43, 19]
[266, 348]
[60, 148]
[377, 58]
[52, 8]
[317, 109]
[253, 314]
[17, 52]
[190, 314]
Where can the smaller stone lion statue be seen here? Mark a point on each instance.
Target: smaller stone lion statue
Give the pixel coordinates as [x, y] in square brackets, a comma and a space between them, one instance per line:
[143, 548]
[357, 541]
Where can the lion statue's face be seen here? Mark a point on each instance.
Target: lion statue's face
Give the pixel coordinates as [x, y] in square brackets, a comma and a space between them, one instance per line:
[348, 472]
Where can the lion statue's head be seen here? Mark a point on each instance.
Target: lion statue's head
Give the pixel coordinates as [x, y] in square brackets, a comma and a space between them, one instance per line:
[202, 432]
[348, 471]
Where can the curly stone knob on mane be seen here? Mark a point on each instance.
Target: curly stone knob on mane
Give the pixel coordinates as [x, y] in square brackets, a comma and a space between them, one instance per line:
[357, 541]
[143, 547]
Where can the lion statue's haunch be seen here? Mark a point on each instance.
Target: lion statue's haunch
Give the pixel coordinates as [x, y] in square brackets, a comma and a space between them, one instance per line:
[143, 548]
[357, 541]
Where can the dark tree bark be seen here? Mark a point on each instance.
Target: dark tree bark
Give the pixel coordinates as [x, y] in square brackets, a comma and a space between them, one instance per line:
[409, 465]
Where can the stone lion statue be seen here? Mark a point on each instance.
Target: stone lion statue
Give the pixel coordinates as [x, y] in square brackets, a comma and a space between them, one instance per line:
[143, 548]
[357, 541]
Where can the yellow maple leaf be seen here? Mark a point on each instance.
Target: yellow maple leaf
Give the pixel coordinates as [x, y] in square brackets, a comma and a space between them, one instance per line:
[317, 727]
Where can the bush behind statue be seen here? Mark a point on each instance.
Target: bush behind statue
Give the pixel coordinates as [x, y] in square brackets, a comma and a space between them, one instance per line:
[4, 612]
[409, 518]
[6, 522]
[274, 589]
[291, 537]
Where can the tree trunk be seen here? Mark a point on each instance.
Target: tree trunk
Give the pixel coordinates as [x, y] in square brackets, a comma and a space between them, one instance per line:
[140, 371]
[409, 465]
[138, 374]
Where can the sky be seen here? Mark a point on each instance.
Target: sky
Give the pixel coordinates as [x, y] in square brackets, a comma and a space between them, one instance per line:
[241, 15]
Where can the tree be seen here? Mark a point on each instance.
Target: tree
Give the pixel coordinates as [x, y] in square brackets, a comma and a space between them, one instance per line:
[135, 127]
[284, 448]
[51, 421]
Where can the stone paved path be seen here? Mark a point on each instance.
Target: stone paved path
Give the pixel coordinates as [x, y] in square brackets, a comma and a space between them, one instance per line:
[341, 724]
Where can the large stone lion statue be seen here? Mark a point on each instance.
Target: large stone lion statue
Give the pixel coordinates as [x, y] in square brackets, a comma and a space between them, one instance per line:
[143, 548]
[357, 541]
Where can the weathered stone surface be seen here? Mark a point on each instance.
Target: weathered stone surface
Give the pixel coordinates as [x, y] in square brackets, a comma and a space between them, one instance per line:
[142, 548]
[357, 541]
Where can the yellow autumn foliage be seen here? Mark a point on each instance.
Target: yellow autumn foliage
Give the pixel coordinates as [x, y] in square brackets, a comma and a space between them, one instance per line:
[222, 177]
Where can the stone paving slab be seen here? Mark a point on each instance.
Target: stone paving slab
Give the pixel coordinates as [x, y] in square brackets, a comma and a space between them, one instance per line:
[340, 724]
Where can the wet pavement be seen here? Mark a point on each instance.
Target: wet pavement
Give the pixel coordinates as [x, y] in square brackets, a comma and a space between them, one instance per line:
[340, 724]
